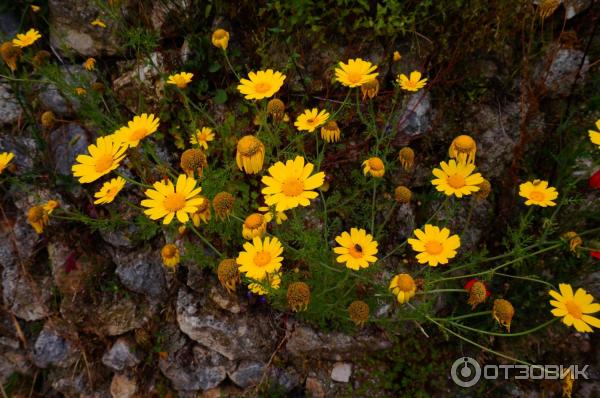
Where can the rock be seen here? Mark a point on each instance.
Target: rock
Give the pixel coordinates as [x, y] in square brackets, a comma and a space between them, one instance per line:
[305, 342]
[405, 220]
[69, 384]
[194, 368]
[10, 110]
[24, 148]
[314, 388]
[575, 7]
[27, 298]
[415, 121]
[54, 348]
[235, 336]
[123, 237]
[341, 372]
[71, 29]
[121, 355]
[9, 24]
[247, 373]
[66, 143]
[63, 103]
[558, 73]
[142, 78]
[142, 272]
[11, 362]
[224, 300]
[287, 379]
[123, 386]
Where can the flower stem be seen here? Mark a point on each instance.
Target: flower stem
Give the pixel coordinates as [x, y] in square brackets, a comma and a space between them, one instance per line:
[203, 239]
[230, 66]
[523, 333]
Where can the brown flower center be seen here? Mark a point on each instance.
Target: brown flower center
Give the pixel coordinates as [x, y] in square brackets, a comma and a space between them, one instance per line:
[292, 187]
[376, 164]
[254, 221]
[262, 258]
[433, 247]
[356, 251]
[405, 283]
[174, 202]
[574, 309]
[104, 162]
[456, 181]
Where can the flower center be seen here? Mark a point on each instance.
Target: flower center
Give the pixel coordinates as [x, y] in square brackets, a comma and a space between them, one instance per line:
[376, 164]
[174, 202]
[574, 309]
[537, 196]
[310, 120]
[456, 181]
[262, 87]
[356, 251]
[433, 247]
[405, 283]
[354, 77]
[104, 162]
[262, 258]
[254, 221]
[138, 134]
[169, 251]
[464, 144]
[292, 187]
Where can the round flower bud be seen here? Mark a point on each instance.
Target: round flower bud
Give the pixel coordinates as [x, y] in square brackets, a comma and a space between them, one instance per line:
[406, 156]
[170, 255]
[47, 119]
[402, 194]
[276, 108]
[503, 312]
[223, 204]
[298, 296]
[228, 274]
[359, 312]
[193, 160]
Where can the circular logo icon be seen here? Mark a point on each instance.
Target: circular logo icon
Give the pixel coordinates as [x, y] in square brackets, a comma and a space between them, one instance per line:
[465, 372]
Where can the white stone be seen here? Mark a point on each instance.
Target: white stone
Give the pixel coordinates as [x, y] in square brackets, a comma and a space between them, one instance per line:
[341, 372]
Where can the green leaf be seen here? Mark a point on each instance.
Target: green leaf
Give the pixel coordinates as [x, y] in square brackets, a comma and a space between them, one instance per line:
[220, 96]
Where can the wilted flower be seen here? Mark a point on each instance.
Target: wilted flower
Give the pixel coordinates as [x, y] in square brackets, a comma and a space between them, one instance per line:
[10, 54]
[273, 281]
[40, 57]
[484, 190]
[402, 194]
[220, 39]
[298, 296]
[406, 156]
[47, 119]
[255, 225]
[359, 312]
[547, 8]
[463, 148]
[276, 108]
[374, 166]
[170, 255]
[98, 22]
[202, 214]
[250, 154]
[503, 312]
[397, 57]
[89, 64]
[223, 204]
[478, 292]
[37, 217]
[330, 132]
[193, 160]
[370, 89]
[80, 90]
[574, 240]
[228, 274]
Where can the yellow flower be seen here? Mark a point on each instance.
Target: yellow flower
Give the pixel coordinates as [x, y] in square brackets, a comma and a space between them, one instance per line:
[262, 84]
[104, 157]
[403, 286]
[370, 89]
[50, 206]
[575, 308]
[80, 90]
[397, 56]
[255, 225]
[355, 73]
[374, 166]
[357, 249]
[330, 132]
[456, 179]
[291, 185]
[89, 64]
[193, 160]
[168, 200]
[223, 204]
[228, 274]
[406, 157]
[463, 149]
[220, 38]
[358, 311]
[415, 83]
[311, 119]
[402, 194]
[595, 135]
[250, 154]
[260, 257]
[574, 241]
[98, 22]
[503, 312]
[26, 39]
[5, 158]
[538, 193]
[279, 216]
[35, 8]
[48, 118]
[170, 255]
[567, 384]
[435, 245]
[137, 129]
[276, 108]
[273, 281]
[203, 212]
[547, 8]
[484, 190]
[37, 217]
[202, 137]
[298, 296]
[10, 54]
[109, 190]
[181, 80]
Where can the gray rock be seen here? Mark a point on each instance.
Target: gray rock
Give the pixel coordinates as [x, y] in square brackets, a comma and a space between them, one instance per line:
[341, 372]
[123, 386]
[287, 379]
[405, 221]
[224, 300]
[9, 24]
[52, 100]
[415, 121]
[53, 348]
[58, 101]
[247, 373]
[121, 355]
[66, 142]
[26, 297]
[558, 73]
[141, 77]
[24, 148]
[123, 237]
[575, 7]
[194, 368]
[10, 110]
[234, 336]
[142, 272]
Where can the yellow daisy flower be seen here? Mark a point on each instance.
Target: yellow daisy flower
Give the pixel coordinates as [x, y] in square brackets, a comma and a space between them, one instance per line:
[220, 39]
[170, 255]
[260, 257]
[255, 225]
[89, 64]
[203, 213]
[595, 135]
[50, 206]
[456, 179]
[105, 156]
[202, 137]
[374, 166]
[311, 119]
[274, 281]
[435, 245]
[291, 185]
[137, 129]
[168, 200]
[26, 39]
[403, 286]
[5, 158]
[262, 84]
[538, 193]
[355, 73]
[250, 154]
[414, 83]
[575, 308]
[109, 190]
[181, 80]
[37, 217]
[98, 22]
[357, 249]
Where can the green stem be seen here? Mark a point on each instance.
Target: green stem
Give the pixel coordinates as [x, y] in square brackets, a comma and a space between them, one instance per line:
[230, 66]
[526, 278]
[203, 239]
[133, 181]
[523, 333]
[373, 207]
[443, 291]
[472, 315]
[332, 117]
